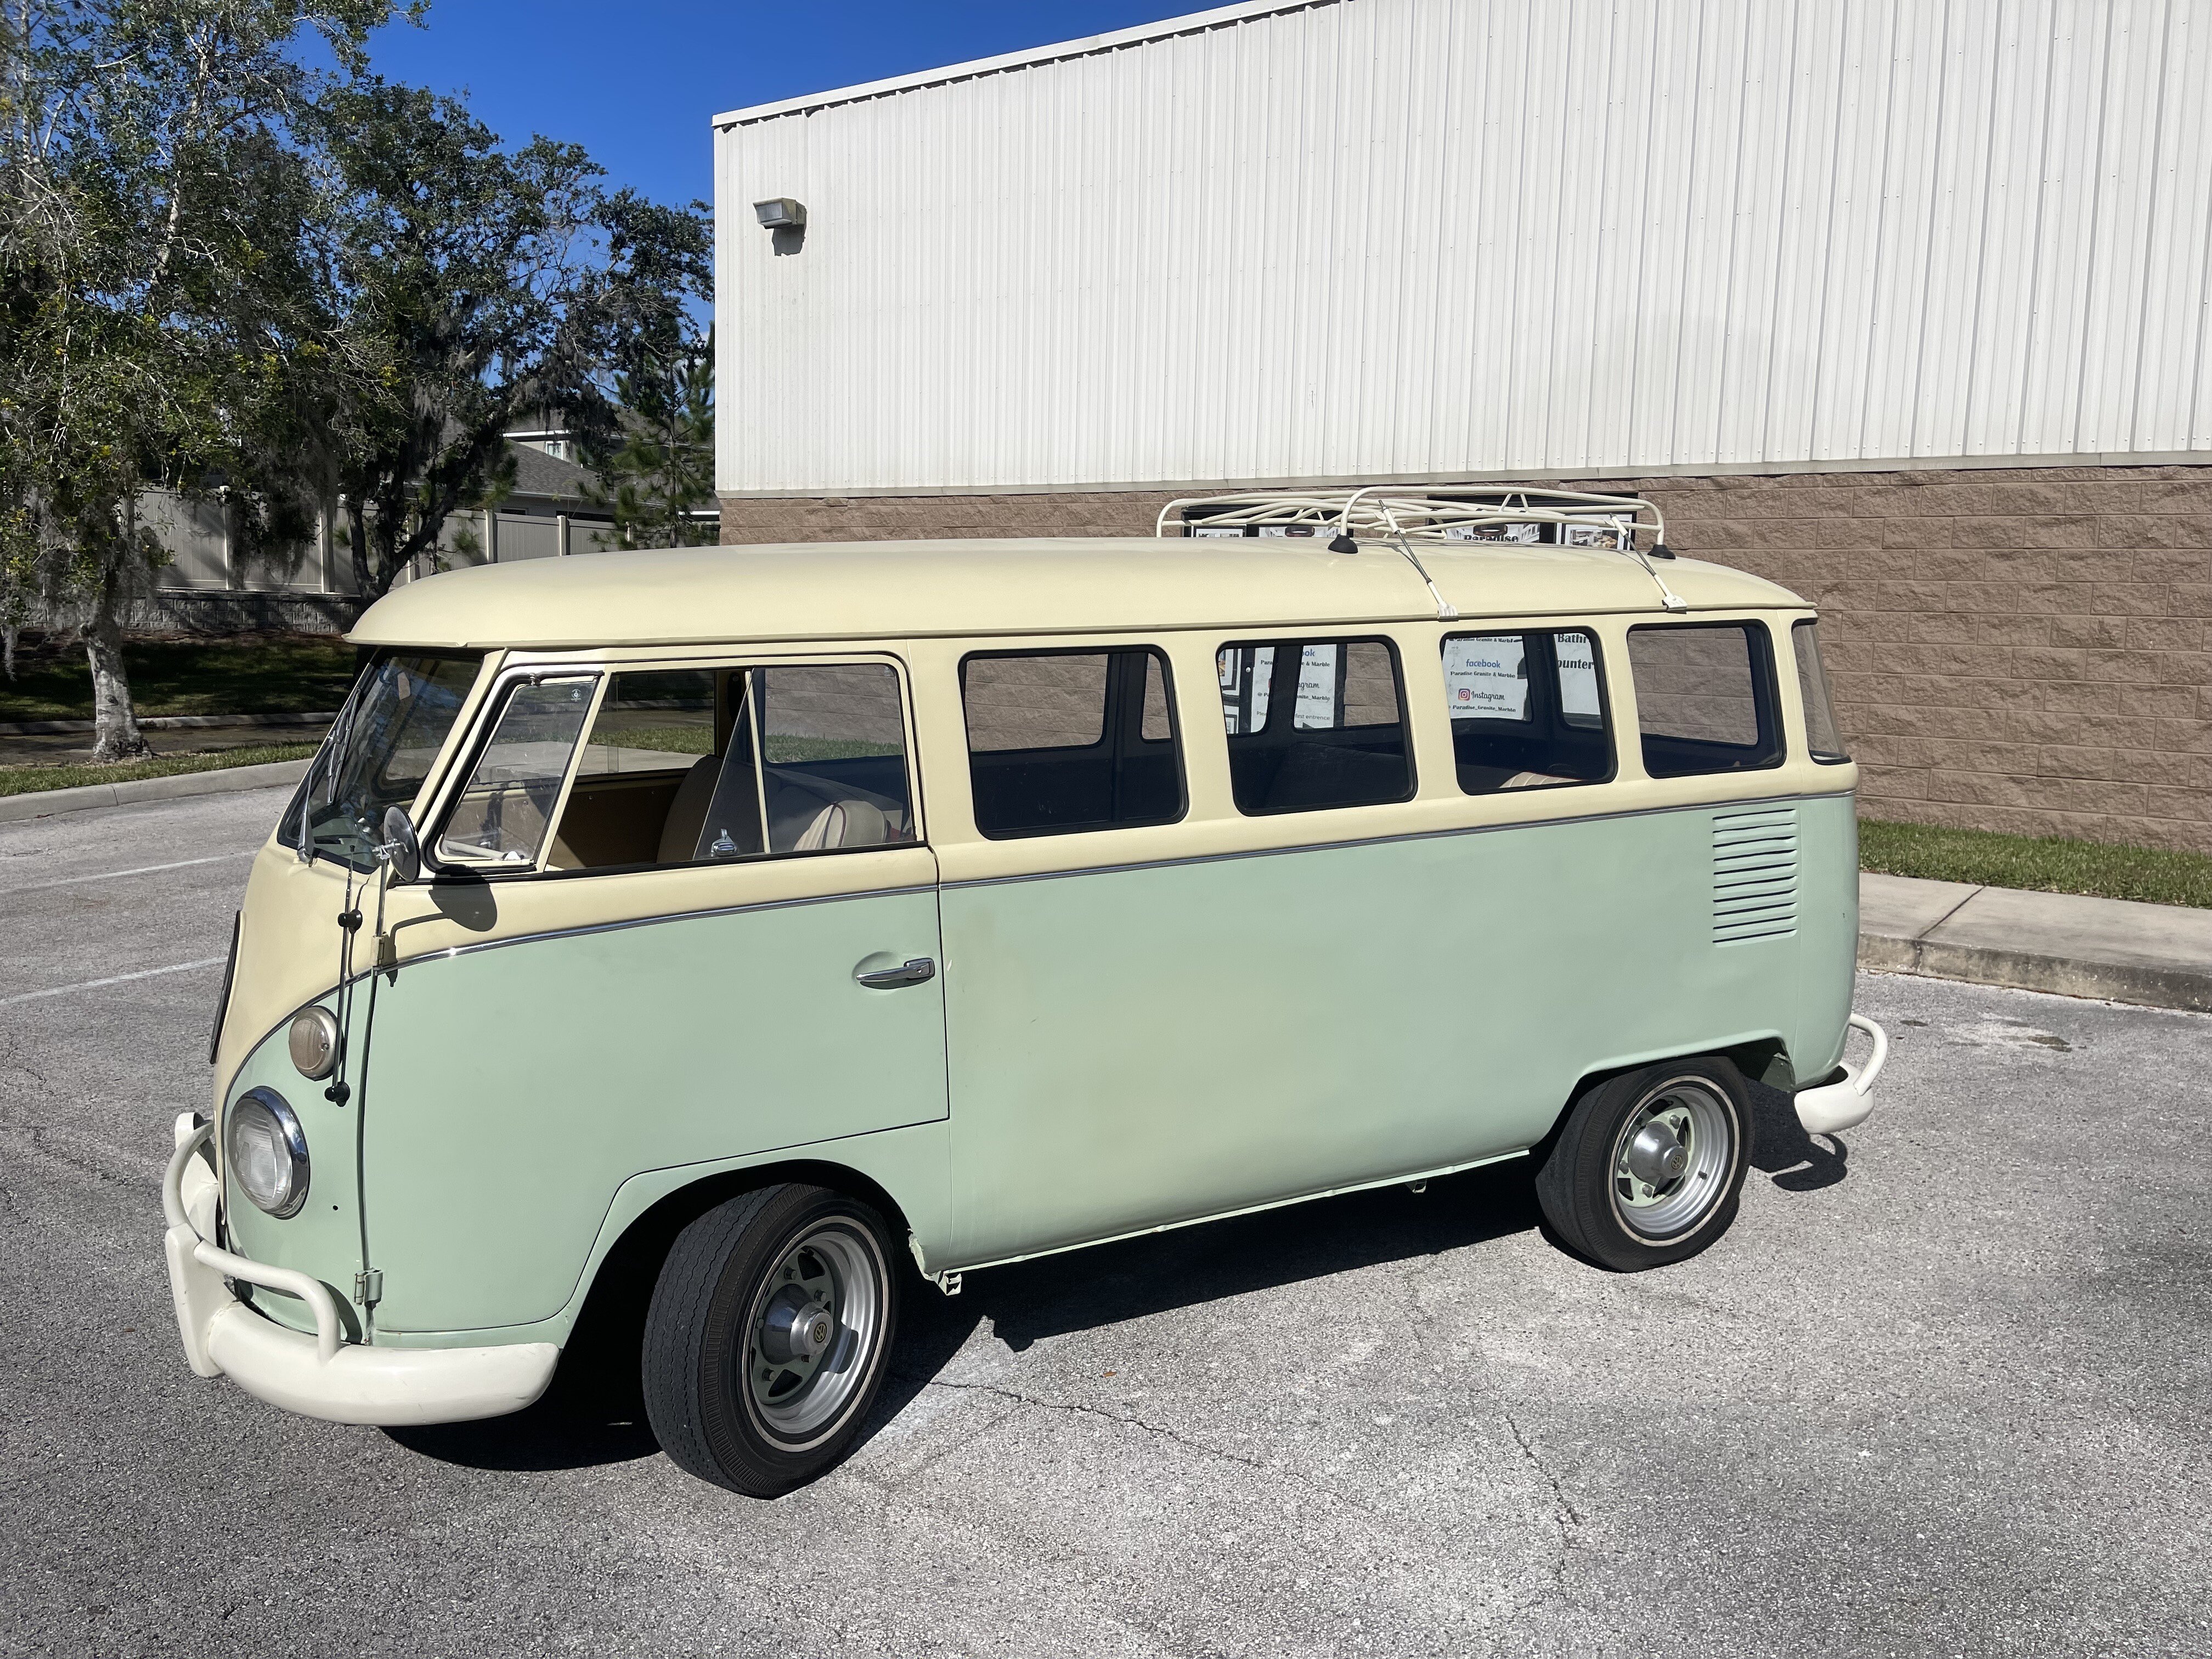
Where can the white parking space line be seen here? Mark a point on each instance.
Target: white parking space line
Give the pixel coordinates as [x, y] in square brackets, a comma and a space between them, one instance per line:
[118, 875]
[113, 979]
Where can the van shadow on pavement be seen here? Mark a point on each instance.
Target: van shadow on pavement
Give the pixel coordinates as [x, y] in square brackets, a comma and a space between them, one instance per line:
[594, 1412]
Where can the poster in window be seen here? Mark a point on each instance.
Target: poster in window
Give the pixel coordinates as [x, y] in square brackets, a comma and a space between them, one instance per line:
[1615, 533]
[1526, 535]
[1576, 656]
[1245, 672]
[1486, 677]
[1316, 705]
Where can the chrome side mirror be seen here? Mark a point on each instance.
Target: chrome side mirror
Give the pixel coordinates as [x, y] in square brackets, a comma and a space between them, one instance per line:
[400, 848]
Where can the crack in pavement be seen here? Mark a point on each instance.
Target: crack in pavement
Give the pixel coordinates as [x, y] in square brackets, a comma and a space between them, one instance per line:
[1564, 1511]
[1076, 1409]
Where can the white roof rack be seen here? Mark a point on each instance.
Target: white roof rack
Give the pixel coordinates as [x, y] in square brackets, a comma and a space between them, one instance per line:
[1438, 515]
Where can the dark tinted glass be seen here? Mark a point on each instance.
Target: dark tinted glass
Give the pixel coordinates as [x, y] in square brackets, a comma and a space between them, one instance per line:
[1704, 698]
[1528, 710]
[1313, 724]
[1061, 741]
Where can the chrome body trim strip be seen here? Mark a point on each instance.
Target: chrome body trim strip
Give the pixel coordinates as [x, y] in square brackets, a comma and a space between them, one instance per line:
[1103, 870]
[1385, 840]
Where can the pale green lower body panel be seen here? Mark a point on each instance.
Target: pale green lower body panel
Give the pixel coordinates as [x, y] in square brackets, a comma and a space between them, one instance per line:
[1127, 1049]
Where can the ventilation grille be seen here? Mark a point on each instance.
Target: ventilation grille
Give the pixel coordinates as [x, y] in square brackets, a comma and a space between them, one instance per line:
[1754, 874]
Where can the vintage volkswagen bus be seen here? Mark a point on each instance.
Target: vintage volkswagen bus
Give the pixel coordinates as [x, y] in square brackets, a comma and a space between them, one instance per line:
[835, 913]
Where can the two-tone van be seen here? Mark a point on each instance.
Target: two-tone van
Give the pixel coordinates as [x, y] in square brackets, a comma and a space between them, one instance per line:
[852, 917]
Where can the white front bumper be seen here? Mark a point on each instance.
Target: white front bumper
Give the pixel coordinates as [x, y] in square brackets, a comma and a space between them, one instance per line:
[1849, 1103]
[319, 1376]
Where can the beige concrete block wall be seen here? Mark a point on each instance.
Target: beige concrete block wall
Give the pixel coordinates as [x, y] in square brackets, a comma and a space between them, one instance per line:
[2024, 650]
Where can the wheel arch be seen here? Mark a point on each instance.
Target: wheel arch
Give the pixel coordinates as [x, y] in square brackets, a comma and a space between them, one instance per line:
[1761, 1059]
[617, 1288]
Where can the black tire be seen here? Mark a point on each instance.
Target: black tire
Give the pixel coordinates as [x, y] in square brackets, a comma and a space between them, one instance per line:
[1589, 1184]
[719, 1326]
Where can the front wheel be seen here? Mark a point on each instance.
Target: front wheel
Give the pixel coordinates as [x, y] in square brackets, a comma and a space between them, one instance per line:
[1647, 1167]
[767, 1335]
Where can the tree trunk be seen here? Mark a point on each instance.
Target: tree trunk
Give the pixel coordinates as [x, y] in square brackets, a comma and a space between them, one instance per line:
[116, 737]
[365, 592]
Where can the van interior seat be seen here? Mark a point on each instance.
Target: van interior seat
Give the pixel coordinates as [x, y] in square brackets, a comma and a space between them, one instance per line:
[808, 814]
[687, 813]
[1314, 774]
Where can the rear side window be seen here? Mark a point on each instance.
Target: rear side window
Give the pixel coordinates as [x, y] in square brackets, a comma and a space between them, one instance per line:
[1313, 724]
[1528, 710]
[1704, 698]
[1063, 741]
[1822, 735]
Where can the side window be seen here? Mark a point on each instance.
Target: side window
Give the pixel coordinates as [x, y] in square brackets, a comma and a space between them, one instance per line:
[689, 766]
[1061, 741]
[833, 757]
[1313, 724]
[1705, 696]
[502, 815]
[1528, 710]
[1823, 737]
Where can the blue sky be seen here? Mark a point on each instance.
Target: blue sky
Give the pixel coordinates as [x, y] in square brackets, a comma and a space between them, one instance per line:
[637, 83]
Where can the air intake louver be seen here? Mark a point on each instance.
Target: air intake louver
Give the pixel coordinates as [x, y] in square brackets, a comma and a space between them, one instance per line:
[1754, 874]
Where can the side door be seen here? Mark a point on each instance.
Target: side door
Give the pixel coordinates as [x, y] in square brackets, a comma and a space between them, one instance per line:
[674, 912]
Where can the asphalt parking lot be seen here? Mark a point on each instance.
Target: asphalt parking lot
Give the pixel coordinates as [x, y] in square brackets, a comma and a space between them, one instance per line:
[1945, 1389]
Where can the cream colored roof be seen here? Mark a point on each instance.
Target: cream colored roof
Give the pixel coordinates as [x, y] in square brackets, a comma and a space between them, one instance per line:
[1072, 585]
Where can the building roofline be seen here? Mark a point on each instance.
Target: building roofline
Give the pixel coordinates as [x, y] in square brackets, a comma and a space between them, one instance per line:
[1089, 45]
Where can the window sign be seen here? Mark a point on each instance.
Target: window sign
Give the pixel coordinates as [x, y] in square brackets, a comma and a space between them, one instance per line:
[1202, 528]
[1577, 660]
[1486, 677]
[1523, 534]
[1245, 673]
[1616, 534]
[1316, 705]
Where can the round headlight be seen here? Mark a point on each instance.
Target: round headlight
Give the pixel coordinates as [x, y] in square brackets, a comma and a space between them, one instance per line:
[314, 1041]
[265, 1152]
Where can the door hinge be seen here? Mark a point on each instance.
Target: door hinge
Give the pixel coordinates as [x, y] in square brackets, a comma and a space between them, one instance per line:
[368, 1287]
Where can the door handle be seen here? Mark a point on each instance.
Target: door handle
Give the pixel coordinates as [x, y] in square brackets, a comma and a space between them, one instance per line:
[916, 971]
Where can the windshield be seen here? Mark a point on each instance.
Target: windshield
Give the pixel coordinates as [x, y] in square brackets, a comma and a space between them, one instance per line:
[377, 756]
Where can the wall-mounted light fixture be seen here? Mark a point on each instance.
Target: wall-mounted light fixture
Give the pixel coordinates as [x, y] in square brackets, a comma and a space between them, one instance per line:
[781, 214]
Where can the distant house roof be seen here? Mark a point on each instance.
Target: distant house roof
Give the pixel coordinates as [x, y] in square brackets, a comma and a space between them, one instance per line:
[536, 473]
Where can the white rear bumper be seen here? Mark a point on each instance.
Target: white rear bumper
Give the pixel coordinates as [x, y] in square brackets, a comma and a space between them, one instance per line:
[319, 1376]
[1846, 1104]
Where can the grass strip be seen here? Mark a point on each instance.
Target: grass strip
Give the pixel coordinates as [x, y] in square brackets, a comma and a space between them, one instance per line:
[254, 674]
[31, 780]
[2036, 864]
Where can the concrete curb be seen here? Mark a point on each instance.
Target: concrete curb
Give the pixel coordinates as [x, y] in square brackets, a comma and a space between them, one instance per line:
[2023, 970]
[2156, 956]
[218, 781]
[162, 723]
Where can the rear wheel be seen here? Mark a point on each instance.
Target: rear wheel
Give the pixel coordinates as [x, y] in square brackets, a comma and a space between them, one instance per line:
[767, 1335]
[1648, 1167]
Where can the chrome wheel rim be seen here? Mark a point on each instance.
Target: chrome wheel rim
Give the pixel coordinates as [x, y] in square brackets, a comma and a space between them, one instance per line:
[1672, 1157]
[810, 1341]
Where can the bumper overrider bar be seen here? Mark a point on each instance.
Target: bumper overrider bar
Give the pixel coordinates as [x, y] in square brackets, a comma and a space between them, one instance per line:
[1849, 1101]
[324, 1375]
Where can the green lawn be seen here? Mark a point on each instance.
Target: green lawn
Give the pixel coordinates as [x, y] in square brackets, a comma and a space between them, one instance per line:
[2042, 865]
[255, 674]
[29, 780]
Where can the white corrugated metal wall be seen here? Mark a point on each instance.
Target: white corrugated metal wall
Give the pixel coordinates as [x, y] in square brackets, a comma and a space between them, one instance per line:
[1423, 238]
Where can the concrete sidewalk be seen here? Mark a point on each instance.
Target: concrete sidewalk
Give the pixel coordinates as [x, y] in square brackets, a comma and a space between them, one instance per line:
[2160, 955]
